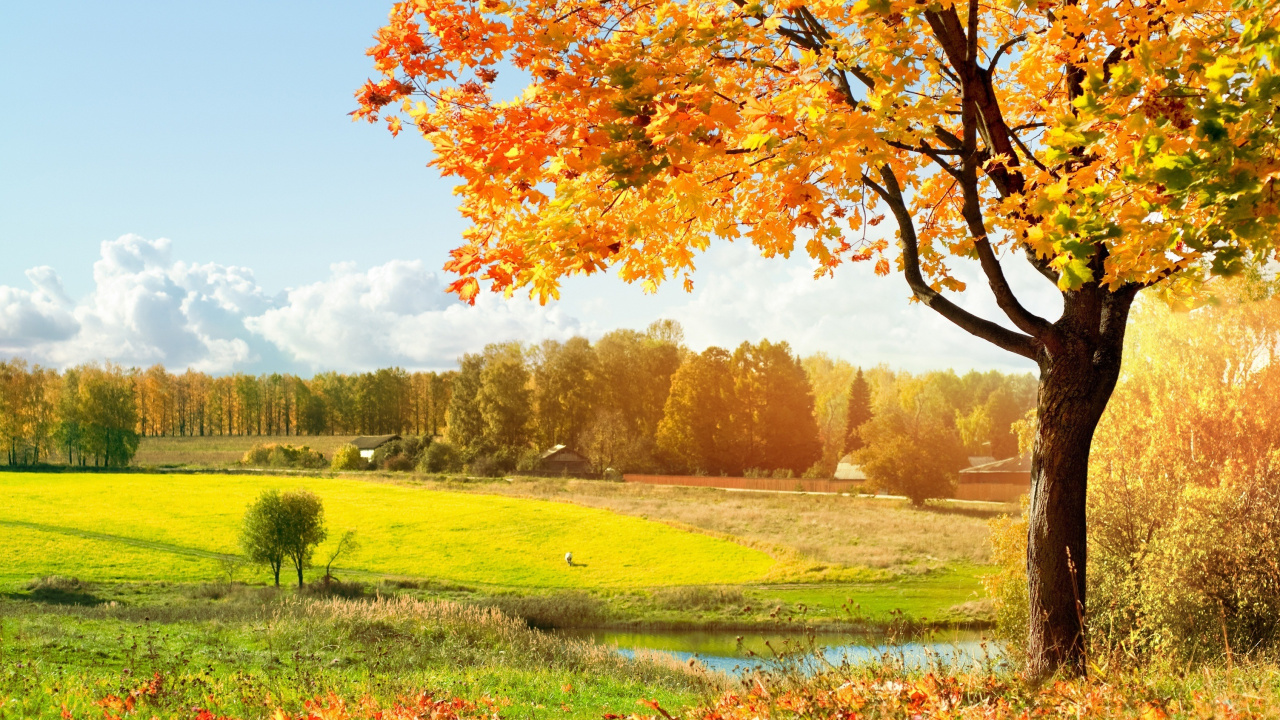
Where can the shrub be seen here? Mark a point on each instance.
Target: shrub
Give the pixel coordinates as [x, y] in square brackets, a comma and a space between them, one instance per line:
[331, 587]
[284, 456]
[1181, 571]
[1210, 581]
[440, 457]
[818, 471]
[400, 455]
[1007, 586]
[57, 584]
[529, 461]
[699, 598]
[348, 457]
[257, 456]
[485, 466]
[559, 610]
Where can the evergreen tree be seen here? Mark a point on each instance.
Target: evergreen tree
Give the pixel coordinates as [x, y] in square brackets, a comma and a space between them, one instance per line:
[858, 412]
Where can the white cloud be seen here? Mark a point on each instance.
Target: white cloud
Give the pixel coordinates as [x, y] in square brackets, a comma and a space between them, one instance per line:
[146, 307]
[31, 317]
[398, 314]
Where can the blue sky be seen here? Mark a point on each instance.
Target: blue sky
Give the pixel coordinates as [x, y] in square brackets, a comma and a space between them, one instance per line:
[180, 183]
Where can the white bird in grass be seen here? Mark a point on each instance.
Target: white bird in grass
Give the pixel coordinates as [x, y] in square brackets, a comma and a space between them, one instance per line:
[568, 557]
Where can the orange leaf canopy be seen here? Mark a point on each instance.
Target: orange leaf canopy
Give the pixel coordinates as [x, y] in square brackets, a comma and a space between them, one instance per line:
[1111, 141]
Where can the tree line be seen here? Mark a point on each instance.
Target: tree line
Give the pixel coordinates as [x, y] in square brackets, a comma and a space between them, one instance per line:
[633, 401]
[95, 414]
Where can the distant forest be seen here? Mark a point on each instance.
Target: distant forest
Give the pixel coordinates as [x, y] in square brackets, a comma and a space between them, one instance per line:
[632, 401]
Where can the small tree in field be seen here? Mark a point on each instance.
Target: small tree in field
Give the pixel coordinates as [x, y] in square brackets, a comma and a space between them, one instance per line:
[282, 527]
[1111, 146]
[347, 544]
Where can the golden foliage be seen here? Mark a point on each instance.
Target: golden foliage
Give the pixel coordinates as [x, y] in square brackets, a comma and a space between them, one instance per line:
[1141, 133]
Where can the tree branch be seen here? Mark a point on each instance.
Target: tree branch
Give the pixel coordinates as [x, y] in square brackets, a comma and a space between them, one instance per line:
[891, 193]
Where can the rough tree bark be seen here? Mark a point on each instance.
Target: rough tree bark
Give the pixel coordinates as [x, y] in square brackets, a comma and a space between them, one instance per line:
[1077, 376]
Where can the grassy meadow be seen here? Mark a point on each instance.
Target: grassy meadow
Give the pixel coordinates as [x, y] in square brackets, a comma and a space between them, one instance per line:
[141, 526]
[221, 450]
[107, 579]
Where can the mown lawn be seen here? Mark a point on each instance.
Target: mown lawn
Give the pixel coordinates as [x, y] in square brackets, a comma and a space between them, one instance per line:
[137, 526]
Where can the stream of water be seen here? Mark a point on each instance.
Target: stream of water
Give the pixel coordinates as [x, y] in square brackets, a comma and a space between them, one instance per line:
[739, 653]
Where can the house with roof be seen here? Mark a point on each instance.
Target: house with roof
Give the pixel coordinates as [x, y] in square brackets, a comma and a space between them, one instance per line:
[998, 481]
[366, 444]
[561, 460]
[847, 469]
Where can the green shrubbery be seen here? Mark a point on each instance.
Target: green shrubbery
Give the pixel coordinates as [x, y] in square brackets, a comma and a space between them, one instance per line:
[400, 455]
[348, 457]
[440, 457]
[1192, 571]
[282, 456]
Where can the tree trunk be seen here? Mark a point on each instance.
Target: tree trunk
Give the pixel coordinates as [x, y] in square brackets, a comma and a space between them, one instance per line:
[1078, 372]
[299, 566]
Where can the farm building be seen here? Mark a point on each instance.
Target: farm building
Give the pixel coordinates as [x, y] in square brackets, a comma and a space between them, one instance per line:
[366, 444]
[1000, 481]
[560, 460]
[847, 470]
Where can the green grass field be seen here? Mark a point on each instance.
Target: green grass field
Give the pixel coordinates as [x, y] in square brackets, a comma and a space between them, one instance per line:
[136, 526]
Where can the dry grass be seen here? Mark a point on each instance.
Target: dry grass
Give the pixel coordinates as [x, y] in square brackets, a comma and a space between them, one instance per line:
[847, 531]
[223, 450]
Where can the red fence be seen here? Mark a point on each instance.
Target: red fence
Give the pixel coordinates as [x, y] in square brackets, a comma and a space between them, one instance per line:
[738, 483]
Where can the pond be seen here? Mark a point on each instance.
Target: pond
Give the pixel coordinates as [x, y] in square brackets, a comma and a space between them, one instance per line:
[741, 652]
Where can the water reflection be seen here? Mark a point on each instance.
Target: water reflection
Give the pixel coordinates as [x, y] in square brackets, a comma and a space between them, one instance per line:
[736, 653]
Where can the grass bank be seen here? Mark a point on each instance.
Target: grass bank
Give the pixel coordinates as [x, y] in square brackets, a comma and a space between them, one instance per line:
[254, 650]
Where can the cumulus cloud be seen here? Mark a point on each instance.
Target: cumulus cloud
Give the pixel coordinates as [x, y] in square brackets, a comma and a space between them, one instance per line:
[398, 314]
[147, 307]
[40, 315]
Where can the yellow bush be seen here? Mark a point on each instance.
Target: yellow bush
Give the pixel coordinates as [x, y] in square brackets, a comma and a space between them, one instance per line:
[1007, 586]
[347, 457]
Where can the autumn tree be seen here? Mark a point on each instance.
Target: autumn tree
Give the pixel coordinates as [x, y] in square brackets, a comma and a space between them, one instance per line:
[635, 373]
[566, 379]
[910, 444]
[774, 407]
[504, 399]
[1112, 146]
[698, 428]
[829, 380]
[611, 443]
[466, 424]
[108, 414]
